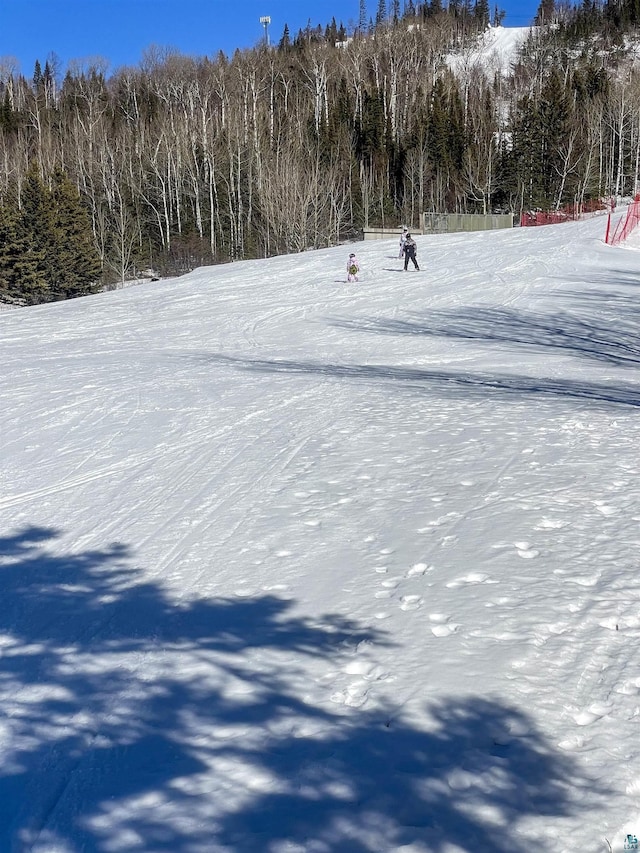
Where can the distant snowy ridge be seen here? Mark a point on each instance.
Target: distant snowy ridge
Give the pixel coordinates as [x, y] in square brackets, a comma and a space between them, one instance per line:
[495, 53]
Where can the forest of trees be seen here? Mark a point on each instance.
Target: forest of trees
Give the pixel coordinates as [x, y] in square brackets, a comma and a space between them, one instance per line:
[182, 161]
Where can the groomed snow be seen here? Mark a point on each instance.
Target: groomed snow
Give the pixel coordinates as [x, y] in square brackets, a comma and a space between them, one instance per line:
[295, 565]
[495, 53]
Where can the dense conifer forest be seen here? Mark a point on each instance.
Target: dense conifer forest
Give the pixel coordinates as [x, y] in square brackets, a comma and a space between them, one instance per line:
[187, 161]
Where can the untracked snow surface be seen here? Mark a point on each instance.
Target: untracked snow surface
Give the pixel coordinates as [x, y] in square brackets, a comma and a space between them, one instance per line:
[295, 566]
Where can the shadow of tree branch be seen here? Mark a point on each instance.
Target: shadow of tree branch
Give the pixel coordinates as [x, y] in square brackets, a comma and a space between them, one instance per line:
[131, 721]
[469, 385]
[614, 341]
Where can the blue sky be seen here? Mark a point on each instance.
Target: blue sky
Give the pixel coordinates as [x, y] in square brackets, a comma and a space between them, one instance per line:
[121, 30]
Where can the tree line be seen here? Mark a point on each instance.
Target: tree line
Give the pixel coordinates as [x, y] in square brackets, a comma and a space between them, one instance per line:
[187, 161]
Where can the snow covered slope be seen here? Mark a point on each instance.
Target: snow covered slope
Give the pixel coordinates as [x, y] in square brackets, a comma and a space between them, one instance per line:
[495, 53]
[295, 565]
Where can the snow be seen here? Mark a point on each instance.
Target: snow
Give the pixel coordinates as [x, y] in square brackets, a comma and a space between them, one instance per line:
[295, 565]
[495, 53]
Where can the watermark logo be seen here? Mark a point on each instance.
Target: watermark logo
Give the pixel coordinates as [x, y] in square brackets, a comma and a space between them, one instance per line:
[631, 842]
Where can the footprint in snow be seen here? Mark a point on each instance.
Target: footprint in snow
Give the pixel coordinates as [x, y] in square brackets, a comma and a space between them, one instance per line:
[571, 743]
[551, 524]
[592, 713]
[470, 578]
[417, 569]
[629, 688]
[525, 550]
[604, 508]
[410, 602]
[367, 670]
[354, 696]
[245, 592]
[442, 627]
[444, 630]
[584, 580]
[389, 587]
[461, 780]
[438, 522]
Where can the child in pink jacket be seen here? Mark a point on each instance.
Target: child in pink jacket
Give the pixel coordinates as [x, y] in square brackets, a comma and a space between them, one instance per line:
[353, 268]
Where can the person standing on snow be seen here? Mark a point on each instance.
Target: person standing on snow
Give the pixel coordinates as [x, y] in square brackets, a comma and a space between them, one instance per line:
[353, 268]
[410, 250]
[403, 237]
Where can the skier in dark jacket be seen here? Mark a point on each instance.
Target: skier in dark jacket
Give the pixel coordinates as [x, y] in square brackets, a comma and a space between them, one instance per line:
[410, 250]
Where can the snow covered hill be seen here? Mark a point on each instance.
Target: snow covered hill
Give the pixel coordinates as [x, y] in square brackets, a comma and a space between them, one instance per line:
[496, 52]
[295, 565]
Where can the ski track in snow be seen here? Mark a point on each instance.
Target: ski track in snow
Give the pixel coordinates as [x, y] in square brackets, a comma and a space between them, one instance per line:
[246, 443]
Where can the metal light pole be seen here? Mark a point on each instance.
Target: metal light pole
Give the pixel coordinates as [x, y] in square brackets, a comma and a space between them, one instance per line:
[265, 21]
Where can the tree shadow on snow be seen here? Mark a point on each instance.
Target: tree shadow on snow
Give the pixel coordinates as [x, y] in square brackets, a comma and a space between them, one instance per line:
[614, 340]
[132, 721]
[451, 383]
[616, 307]
[611, 277]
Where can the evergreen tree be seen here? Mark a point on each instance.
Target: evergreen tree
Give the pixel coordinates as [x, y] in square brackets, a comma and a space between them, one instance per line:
[446, 125]
[7, 120]
[38, 220]
[37, 79]
[554, 112]
[362, 19]
[21, 264]
[285, 42]
[77, 265]
[370, 133]
[340, 124]
[596, 81]
[331, 32]
[481, 14]
[545, 13]
[60, 229]
[540, 129]
[498, 16]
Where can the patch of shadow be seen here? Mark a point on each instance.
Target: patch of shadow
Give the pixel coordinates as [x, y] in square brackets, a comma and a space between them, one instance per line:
[465, 783]
[612, 277]
[113, 696]
[430, 382]
[132, 721]
[615, 341]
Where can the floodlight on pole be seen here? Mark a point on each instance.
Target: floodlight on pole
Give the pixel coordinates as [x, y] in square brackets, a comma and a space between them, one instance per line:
[265, 20]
